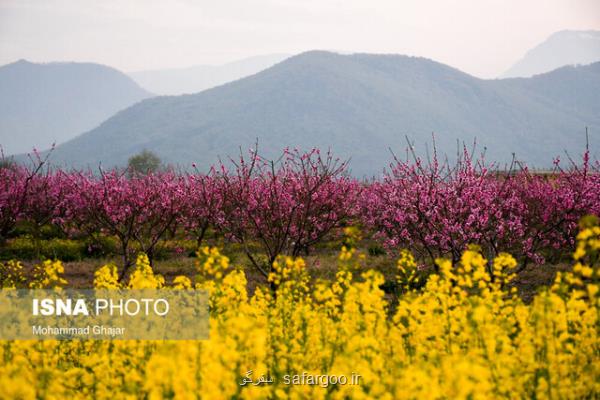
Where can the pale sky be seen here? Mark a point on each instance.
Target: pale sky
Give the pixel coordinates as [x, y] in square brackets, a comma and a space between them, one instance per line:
[481, 37]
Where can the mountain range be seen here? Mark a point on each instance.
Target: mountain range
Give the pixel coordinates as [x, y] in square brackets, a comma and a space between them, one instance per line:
[560, 49]
[41, 104]
[201, 77]
[360, 106]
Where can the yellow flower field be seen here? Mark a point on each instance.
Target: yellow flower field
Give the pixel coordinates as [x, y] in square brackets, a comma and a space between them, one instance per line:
[465, 335]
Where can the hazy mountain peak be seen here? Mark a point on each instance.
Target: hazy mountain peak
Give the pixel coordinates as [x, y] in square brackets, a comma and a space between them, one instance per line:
[197, 78]
[41, 104]
[562, 48]
[359, 105]
[22, 61]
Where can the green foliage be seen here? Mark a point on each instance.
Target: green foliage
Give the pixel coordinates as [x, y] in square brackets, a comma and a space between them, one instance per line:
[144, 163]
[99, 246]
[375, 250]
[26, 248]
[170, 248]
[589, 221]
[27, 228]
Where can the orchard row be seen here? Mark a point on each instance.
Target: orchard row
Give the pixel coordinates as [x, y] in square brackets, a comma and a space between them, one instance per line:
[287, 207]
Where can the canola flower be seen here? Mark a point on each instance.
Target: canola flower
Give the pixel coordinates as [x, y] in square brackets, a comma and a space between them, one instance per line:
[407, 270]
[48, 275]
[464, 335]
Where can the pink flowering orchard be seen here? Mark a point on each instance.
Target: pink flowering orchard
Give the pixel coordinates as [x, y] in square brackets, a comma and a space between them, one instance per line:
[290, 205]
[139, 209]
[287, 206]
[437, 209]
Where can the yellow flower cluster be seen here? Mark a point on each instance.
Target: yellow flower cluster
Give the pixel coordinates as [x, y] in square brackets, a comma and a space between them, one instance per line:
[465, 335]
[211, 264]
[107, 277]
[352, 236]
[142, 276]
[11, 274]
[407, 270]
[47, 275]
[287, 269]
[585, 277]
